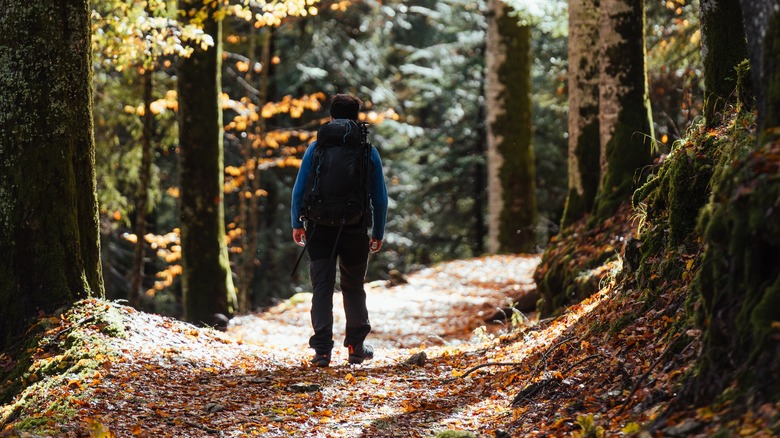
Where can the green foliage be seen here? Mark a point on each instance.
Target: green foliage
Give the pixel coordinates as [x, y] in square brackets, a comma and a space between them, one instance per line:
[136, 34]
[710, 228]
[550, 108]
[439, 153]
[118, 131]
[432, 78]
[590, 429]
[118, 144]
[549, 16]
[129, 39]
[666, 255]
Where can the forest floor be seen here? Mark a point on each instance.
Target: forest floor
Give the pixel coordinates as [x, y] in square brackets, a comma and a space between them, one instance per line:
[103, 370]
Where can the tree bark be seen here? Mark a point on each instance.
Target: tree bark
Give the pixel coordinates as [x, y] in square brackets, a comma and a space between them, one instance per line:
[207, 283]
[49, 235]
[739, 281]
[584, 147]
[142, 195]
[249, 203]
[761, 23]
[479, 228]
[511, 172]
[625, 121]
[770, 80]
[723, 48]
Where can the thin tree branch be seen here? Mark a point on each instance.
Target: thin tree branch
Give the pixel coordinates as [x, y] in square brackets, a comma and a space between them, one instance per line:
[647, 373]
[581, 361]
[489, 364]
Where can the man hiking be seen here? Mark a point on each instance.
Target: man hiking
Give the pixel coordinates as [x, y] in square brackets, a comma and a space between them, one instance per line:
[338, 195]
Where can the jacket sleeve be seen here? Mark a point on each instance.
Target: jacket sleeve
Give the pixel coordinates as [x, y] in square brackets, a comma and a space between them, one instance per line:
[378, 196]
[299, 187]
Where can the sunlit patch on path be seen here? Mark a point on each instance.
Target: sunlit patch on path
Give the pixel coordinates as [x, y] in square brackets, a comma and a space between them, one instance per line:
[441, 305]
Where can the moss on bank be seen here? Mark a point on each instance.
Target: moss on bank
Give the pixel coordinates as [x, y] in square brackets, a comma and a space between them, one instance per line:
[739, 282]
[711, 227]
[574, 264]
[669, 204]
[59, 350]
[708, 247]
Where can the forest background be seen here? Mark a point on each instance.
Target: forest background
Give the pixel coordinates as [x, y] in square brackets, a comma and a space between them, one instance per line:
[689, 268]
[420, 68]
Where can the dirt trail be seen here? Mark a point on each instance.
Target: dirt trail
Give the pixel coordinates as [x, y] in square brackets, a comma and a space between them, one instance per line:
[163, 377]
[438, 306]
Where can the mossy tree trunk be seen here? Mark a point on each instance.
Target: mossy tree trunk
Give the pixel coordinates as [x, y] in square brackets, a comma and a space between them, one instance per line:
[723, 48]
[739, 280]
[511, 173]
[584, 147]
[207, 282]
[49, 236]
[625, 121]
[770, 120]
[761, 22]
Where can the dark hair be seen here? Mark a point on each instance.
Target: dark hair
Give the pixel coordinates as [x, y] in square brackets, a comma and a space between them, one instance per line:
[345, 106]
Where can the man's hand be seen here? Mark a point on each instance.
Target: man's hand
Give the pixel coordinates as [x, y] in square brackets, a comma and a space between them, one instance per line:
[299, 236]
[374, 245]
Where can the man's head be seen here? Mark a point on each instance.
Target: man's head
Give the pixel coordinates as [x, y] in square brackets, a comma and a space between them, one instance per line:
[344, 106]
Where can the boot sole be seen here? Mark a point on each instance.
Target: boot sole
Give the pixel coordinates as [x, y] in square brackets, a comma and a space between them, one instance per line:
[358, 359]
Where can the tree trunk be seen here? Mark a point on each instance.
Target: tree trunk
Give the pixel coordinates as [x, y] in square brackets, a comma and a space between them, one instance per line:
[761, 23]
[207, 283]
[723, 48]
[625, 121]
[142, 195]
[249, 203]
[739, 281]
[584, 147]
[479, 228]
[770, 80]
[49, 235]
[511, 172]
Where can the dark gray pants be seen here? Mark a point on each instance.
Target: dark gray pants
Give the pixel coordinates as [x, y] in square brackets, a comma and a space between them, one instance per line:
[351, 253]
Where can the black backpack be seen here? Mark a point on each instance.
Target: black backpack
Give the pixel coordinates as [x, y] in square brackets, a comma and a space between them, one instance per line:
[336, 192]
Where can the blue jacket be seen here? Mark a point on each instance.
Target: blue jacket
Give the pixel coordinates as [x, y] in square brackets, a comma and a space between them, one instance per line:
[377, 191]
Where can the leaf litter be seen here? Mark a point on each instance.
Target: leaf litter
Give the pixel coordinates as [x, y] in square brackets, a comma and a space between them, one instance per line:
[438, 366]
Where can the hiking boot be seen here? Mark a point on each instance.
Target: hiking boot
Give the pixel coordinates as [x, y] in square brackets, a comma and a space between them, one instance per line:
[320, 360]
[360, 353]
